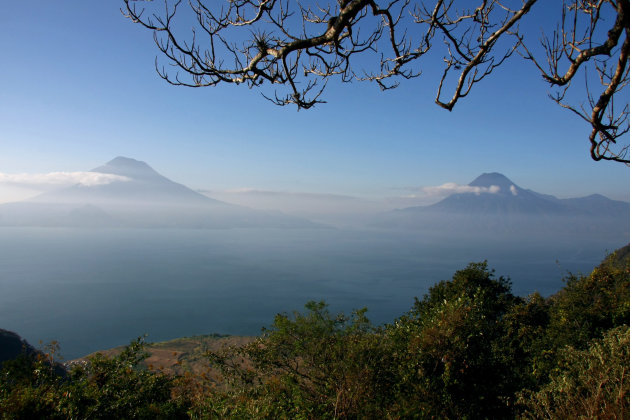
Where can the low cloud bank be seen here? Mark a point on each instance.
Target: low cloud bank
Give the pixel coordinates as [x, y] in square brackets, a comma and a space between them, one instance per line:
[59, 179]
[453, 188]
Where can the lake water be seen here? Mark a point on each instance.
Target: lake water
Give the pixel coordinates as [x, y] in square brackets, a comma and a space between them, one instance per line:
[96, 289]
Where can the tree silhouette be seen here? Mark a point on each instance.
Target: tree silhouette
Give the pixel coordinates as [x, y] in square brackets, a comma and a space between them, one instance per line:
[298, 46]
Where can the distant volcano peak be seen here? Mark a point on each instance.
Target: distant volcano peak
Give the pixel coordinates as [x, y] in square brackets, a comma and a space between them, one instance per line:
[125, 161]
[128, 167]
[491, 178]
[494, 178]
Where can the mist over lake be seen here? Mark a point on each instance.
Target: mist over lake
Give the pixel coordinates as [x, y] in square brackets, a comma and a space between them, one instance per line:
[92, 289]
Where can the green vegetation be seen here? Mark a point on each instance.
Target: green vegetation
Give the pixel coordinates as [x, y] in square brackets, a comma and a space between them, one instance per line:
[181, 356]
[468, 349]
[104, 388]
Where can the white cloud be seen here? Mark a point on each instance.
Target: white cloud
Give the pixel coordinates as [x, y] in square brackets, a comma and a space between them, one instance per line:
[59, 179]
[453, 188]
[513, 190]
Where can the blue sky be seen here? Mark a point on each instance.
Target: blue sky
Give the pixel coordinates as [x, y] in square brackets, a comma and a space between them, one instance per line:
[78, 87]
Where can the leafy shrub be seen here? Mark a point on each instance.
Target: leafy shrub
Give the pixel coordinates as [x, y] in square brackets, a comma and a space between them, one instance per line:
[31, 387]
[312, 365]
[451, 359]
[591, 383]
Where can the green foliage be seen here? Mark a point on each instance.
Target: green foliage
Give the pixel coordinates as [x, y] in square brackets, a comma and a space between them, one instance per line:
[475, 283]
[104, 388]
[451, 361]
[29, 385]
[591, 383]
[468, 349]
[313, 365]
[620, 259]
[524, 345]
[116, 388]
[590, 305]
[584, 310]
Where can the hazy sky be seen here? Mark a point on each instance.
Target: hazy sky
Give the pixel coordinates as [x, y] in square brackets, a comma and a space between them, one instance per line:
[78, 87]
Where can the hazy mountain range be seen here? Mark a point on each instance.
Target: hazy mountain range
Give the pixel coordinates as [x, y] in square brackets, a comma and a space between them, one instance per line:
[498, 195]
[493, 202]
[137, 196]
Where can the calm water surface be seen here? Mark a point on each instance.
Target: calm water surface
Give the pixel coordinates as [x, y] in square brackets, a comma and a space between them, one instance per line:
[95, 289]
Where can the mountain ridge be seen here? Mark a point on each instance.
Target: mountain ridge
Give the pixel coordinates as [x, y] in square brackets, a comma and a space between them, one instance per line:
[140, 198]
[496, 202]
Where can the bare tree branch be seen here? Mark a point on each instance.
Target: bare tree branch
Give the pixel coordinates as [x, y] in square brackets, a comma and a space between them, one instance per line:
[297, 46]
[581, 44]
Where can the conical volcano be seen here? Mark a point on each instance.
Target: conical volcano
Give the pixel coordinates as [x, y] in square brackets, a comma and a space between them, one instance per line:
[492, 202]
[137, 196]
[128, 167]
[496, 183]
[137, 185]
[496, 194]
